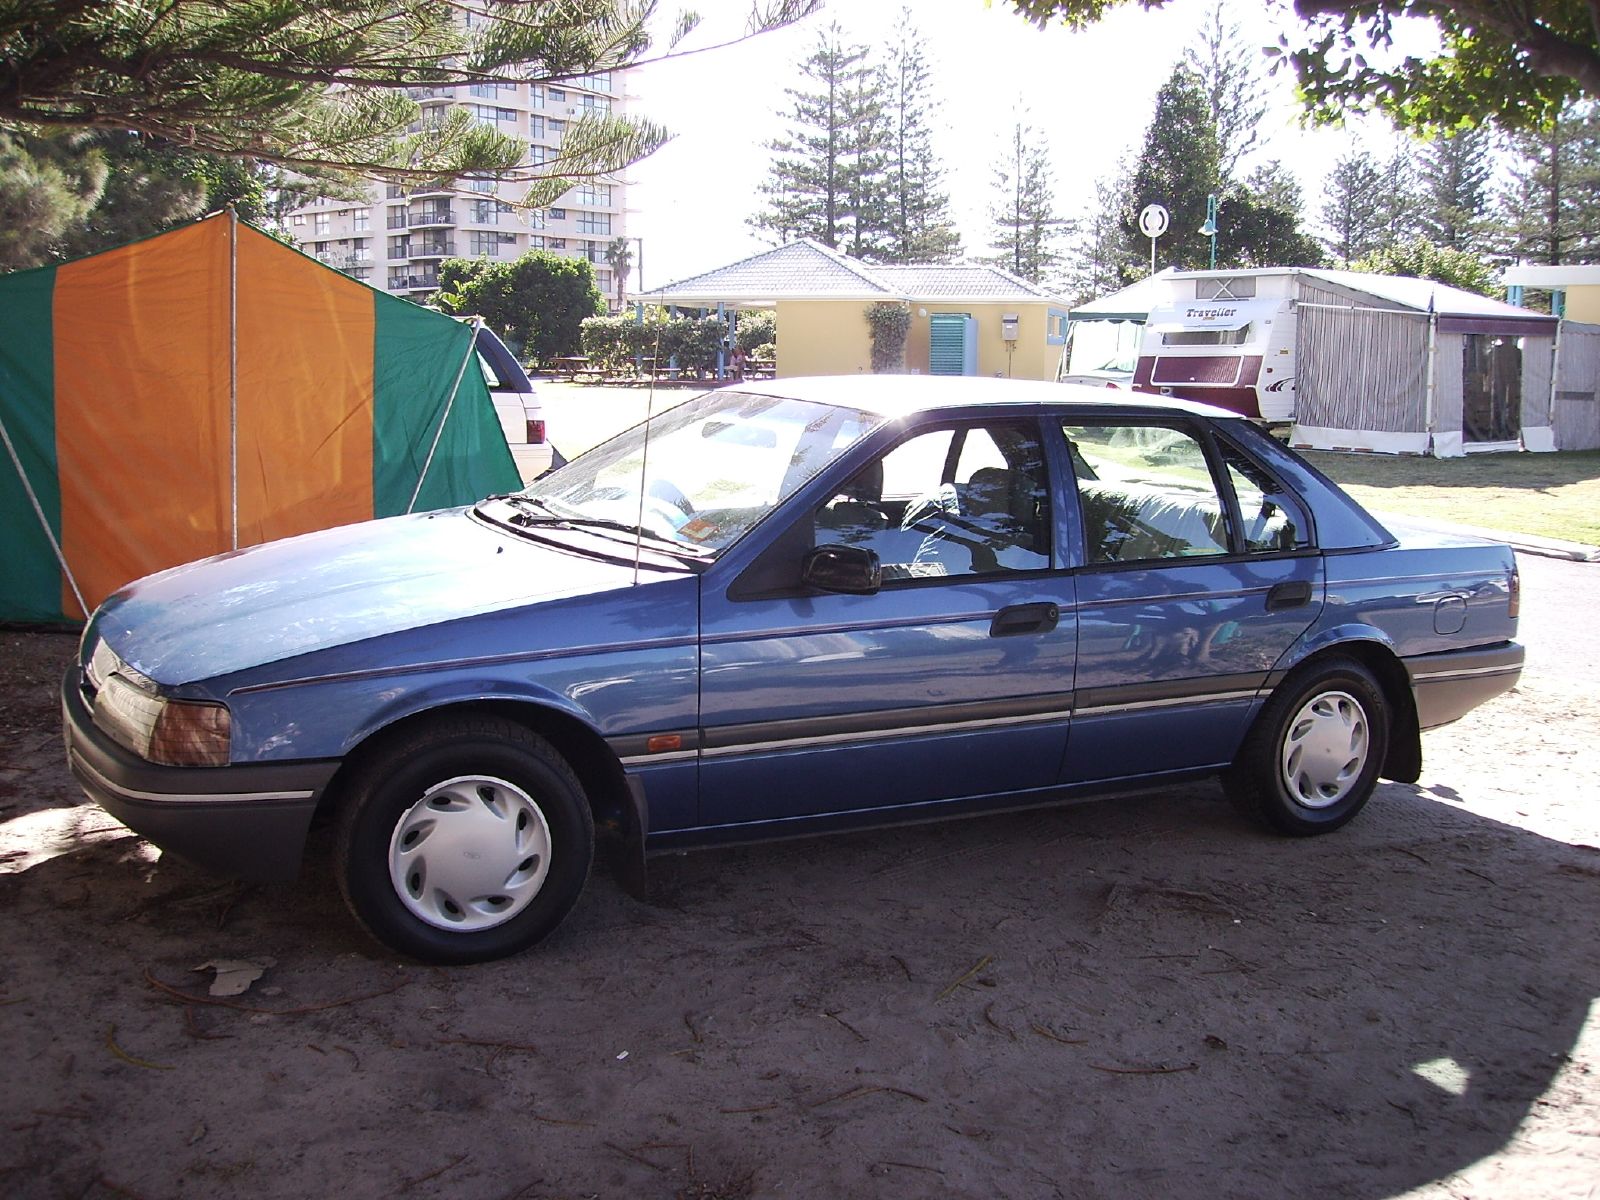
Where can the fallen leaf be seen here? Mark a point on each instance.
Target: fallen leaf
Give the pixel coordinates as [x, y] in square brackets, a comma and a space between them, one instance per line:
[235, 975]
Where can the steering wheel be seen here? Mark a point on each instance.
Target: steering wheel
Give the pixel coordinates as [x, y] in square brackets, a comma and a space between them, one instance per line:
[670, 493]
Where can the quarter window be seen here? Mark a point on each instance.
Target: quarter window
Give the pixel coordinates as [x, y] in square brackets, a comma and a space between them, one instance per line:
[1270, 519]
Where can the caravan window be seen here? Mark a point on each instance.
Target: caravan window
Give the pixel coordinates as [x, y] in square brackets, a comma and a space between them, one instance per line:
[1206, 337]
[1233, 287]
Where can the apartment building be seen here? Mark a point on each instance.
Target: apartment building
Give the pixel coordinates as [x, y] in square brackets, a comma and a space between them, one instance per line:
[398, 240]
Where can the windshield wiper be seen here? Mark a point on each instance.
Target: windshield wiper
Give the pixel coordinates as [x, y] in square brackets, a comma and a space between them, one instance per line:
[524, 521]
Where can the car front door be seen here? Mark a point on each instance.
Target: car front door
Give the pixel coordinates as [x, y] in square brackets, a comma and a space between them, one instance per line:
[1199, 573]
[952, 681]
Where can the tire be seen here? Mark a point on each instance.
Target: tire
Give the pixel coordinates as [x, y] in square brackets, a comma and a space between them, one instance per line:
[463, 840]
[1311, 761]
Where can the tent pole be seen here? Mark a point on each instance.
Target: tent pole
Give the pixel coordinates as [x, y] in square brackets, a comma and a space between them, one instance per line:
[233, 370]
[44, 522]
[473, 324]
[1431, 381]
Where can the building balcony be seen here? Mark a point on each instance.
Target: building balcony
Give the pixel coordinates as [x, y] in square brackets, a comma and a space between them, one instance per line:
[432, 95]
[397, 220]
[414, 283]
[432, 218]
[432, 189]
[432, 250]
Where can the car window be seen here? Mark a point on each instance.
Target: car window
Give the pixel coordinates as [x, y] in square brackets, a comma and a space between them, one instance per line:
[1146, 492]
[1272, 519]
[971, 500]
[710, 469]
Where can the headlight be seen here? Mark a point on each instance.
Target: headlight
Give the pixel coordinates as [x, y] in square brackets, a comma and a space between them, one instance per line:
[176, 733]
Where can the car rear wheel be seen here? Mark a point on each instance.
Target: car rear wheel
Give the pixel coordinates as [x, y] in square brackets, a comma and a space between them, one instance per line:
[463, 840]
[1311, 761]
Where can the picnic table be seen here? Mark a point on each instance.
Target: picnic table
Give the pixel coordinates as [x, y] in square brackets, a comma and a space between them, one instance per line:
[574, 367]
[760, 368]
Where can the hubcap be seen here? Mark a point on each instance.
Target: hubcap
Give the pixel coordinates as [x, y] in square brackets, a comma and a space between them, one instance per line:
[470, 855]
[1325, 749]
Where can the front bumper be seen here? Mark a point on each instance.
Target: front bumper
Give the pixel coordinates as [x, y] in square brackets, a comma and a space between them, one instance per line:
[248, 821]
[1449, 685]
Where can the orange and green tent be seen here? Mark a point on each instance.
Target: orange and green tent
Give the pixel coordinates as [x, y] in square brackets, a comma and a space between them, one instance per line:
[212, 388]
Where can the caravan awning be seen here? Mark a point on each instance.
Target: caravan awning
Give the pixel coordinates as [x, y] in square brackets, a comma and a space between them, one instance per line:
[1212, 314]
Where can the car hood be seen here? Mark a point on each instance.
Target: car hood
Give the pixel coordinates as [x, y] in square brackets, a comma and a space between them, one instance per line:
[256, 606]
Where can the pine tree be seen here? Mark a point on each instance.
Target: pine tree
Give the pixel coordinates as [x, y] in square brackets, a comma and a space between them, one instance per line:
[815, 181]
[1354, 207]
[1455, 173]
[1025, 227]
[1401, 203]
[1274, 184]
[1550, 210]
[1228, 66]
[920, 225]
[1098, 260]
[864, 175]
[1178, 168]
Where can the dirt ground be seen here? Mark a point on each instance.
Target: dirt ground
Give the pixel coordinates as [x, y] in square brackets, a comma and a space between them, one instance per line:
[1137, 998]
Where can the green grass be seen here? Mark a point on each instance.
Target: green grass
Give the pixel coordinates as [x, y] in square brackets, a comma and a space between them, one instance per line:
[1548, 495]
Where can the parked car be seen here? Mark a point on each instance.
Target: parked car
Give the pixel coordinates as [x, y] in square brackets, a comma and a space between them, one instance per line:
[783, 608]
[517, 405]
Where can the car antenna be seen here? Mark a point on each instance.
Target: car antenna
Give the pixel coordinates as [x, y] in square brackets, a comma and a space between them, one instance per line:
[644, 461]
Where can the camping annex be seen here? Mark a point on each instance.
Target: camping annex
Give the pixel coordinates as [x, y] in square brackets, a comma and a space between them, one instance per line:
[212, 388]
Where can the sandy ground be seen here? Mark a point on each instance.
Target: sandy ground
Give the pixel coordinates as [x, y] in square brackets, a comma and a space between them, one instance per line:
[1137, 998]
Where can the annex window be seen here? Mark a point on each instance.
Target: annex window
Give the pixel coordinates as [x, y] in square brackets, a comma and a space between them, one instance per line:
[972, 500]
[1145, 492]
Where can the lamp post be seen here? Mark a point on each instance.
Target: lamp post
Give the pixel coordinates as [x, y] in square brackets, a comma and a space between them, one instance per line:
[1209, 229]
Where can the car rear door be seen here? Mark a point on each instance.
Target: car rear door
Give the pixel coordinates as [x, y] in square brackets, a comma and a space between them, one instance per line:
[1198, 573]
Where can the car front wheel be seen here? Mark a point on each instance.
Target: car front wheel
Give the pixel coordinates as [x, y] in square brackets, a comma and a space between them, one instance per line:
[1311, 761]
[465, 839]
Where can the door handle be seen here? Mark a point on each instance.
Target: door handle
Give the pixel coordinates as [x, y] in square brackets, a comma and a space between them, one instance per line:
[1024, 618]
[1291, 593]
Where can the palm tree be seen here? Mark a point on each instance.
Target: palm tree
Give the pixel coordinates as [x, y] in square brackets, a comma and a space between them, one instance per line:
[620, 259]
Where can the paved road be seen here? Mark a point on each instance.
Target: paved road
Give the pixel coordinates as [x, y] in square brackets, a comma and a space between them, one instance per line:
[1560, 617]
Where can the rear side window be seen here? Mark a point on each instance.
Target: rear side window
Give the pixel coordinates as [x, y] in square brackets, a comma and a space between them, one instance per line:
[1146, 492]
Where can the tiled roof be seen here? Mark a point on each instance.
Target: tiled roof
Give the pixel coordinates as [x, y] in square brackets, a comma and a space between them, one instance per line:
[808, 270]
[800, 270]
[959, 281]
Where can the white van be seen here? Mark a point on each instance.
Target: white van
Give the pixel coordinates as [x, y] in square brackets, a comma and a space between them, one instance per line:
[517, 405]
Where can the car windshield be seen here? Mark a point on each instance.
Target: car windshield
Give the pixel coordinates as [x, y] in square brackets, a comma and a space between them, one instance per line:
[697, 477]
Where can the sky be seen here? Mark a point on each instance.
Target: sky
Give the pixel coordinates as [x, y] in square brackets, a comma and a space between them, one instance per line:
[1091, 93]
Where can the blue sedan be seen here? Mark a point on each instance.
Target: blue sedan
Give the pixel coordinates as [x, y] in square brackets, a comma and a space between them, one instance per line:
[783, 608]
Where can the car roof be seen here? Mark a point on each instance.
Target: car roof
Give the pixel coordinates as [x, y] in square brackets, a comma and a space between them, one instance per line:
[899, 395]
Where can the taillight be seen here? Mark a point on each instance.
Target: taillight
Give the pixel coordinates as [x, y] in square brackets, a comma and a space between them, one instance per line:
[1514, 605]
[535, 432]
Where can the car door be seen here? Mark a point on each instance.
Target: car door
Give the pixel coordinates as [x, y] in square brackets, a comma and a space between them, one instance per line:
[1198, 574]
[952, 681]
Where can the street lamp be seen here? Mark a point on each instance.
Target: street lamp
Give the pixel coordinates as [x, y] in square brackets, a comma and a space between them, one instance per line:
[1209, 229]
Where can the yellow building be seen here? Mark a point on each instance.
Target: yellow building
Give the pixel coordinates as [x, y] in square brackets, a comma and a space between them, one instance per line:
[965, 318]
[1574, 290]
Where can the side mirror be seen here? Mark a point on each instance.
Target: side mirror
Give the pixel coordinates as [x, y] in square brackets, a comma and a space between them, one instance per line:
[847, 569]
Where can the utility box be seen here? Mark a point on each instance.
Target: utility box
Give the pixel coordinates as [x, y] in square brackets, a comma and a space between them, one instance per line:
[1008, 326]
